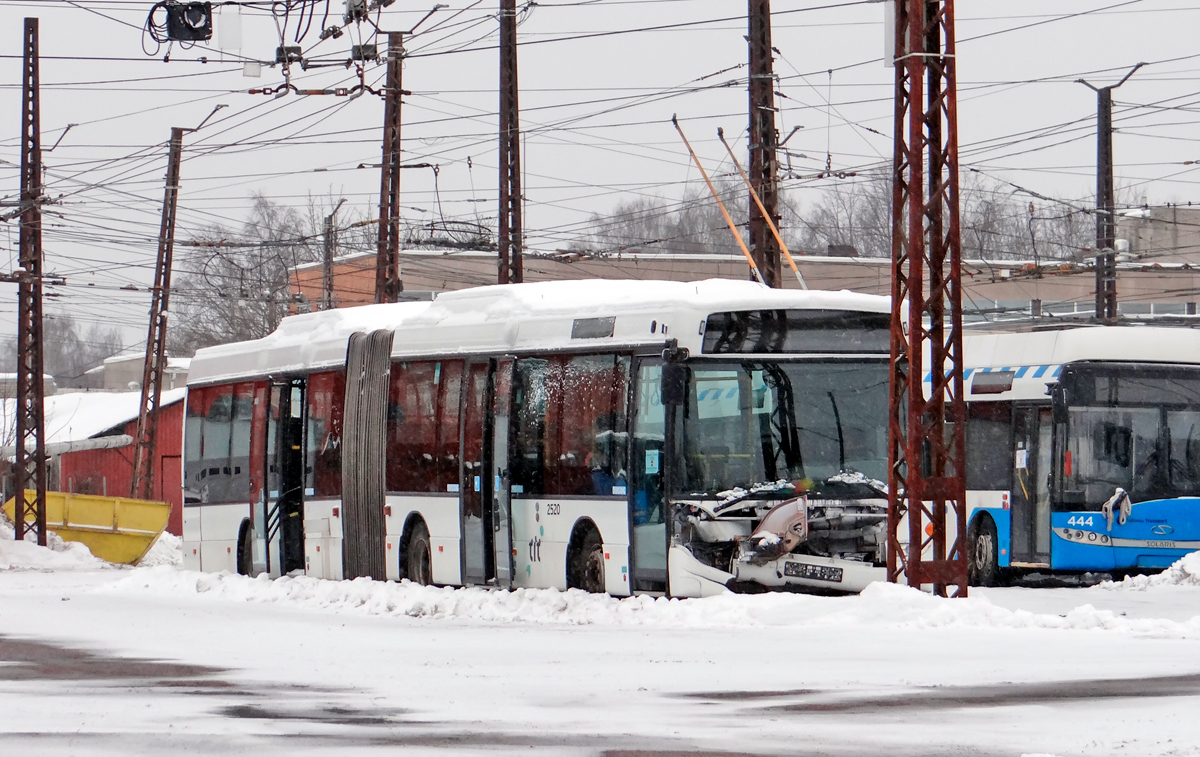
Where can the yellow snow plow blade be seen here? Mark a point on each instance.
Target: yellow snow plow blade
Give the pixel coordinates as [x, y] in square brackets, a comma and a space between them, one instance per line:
[116, 529]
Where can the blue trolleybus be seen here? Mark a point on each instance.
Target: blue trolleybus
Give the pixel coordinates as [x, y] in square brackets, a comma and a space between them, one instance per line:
[1083, 450]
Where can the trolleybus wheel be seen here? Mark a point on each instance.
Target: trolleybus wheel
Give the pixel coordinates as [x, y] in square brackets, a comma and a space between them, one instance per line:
[418, 562]
[588, 567]
[245, 550]
[983, 569]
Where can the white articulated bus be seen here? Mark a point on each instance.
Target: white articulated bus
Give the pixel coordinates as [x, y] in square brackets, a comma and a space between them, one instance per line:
[1083, 449]
[613, 436]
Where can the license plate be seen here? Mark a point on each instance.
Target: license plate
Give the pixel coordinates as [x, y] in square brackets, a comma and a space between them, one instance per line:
[813, 572]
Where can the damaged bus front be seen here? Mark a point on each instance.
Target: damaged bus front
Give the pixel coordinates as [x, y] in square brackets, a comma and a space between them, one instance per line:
[777, 437]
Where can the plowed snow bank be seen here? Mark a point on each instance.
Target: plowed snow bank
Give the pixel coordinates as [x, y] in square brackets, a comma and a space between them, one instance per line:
[879, 606]
[58, 555]
[1185, 572]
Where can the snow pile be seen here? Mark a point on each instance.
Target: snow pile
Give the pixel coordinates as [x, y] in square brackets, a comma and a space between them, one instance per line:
[880, 606]
[1185, 572]
[166, 550]
[57, 555]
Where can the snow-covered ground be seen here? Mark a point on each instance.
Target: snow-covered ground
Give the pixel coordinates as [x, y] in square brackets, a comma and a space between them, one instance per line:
[154, 660]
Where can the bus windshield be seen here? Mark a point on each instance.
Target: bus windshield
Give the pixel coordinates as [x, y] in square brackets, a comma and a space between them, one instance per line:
[754, 422]
[1137, 428]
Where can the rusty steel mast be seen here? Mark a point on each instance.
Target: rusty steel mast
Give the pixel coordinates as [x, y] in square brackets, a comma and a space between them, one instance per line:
[142, 482]
[510, 230]
[764, 144]
[29, 471]
[927, 490]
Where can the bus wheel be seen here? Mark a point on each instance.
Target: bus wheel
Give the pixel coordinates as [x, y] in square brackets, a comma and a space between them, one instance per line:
[983, 568]
[587, 566]
[245, 550]
[418, 560]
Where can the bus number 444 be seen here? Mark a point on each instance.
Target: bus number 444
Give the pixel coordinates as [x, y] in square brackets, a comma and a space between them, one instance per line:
[1080, 520]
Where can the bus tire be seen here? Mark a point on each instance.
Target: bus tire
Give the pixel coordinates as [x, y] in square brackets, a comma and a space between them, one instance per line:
[418, 557]
[585, 569]
[983, 567]
[245, 550]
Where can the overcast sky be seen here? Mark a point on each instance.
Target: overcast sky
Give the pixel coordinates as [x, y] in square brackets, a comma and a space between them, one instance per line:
[595, 112]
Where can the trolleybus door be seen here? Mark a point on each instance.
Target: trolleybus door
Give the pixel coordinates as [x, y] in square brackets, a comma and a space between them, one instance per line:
[1031, 485]
[285, 477]
[502, 403]
[474, 481]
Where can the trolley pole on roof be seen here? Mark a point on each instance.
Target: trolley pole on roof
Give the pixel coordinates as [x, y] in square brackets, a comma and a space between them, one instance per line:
[510, 231]
[926, 455]
[387, 261]
[146, 441]
[764, 144]
[1106, 210]
[30, 469]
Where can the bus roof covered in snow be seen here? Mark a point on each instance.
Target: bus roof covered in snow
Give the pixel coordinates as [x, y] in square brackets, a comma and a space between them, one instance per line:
[521, 317]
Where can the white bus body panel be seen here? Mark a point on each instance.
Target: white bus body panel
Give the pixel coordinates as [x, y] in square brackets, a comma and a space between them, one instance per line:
[219, 528]
[323, 539]
[191, 538]
[542, 528]
[440, 513]
[691, 578]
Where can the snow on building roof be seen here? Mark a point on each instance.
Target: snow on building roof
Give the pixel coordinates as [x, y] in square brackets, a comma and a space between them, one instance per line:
[81, 415]
[499, 318]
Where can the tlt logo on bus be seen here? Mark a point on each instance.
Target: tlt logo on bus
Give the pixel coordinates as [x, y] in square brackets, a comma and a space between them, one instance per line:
[535, 549]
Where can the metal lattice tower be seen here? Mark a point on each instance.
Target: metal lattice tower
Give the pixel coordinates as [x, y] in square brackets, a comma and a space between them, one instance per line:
[927, 490]
[146, 441]
[29, 472]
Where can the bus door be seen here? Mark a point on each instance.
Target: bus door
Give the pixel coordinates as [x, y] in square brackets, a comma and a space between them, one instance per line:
[1032, 457]
[502, 404]
[284, 505]
[474, 481]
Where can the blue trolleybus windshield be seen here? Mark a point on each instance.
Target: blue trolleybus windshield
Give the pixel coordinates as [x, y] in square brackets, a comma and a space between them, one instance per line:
[1132, 427]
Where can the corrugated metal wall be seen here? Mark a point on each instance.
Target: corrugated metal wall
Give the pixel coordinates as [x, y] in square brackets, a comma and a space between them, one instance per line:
[108, 471]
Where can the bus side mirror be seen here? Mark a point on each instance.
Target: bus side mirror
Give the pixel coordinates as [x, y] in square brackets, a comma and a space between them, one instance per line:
[674, 384]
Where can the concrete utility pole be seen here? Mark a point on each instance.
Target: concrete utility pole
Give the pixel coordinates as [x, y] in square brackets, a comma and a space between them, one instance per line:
[30, 469]
[387, 262]
[142, 483]
[926, 455]
[764, 144]
[330, 239]
[1106, 210]
[510, 231]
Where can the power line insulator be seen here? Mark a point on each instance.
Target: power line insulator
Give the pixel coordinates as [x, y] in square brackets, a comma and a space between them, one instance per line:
[356, 10]
[189, 22]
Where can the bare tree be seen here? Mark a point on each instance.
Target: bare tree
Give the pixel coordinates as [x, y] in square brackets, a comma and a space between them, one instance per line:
[693, 224]
[236, 285]
[67, 353]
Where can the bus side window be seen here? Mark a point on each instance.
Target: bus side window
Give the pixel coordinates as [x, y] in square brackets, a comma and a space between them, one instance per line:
[989, 446]
[570, 436]
[422, 426]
